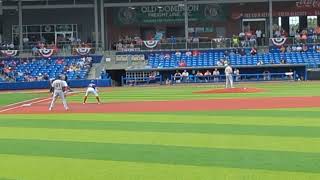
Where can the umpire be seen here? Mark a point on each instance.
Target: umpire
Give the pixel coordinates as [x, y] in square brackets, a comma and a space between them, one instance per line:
[66, 79]
[51, 89]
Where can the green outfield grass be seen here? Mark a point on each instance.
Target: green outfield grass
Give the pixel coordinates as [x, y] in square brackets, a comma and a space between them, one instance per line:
[181, 92]
[279, 144]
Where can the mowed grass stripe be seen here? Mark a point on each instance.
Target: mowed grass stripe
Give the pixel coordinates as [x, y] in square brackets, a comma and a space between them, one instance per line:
[186, 92]
[50, 168]
[258, 130]
[268, 114]
[241, 117]
[248, 159]
[171, 139]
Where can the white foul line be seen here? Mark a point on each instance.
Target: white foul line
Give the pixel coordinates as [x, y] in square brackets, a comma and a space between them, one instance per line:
[21, 102]
[24, 105]
[27, 103]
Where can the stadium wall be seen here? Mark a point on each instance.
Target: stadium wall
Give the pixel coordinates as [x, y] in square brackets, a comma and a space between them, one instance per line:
[45, 84]
[166, 73]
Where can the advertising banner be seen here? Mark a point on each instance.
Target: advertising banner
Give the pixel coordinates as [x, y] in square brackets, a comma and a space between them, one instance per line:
[169, 14]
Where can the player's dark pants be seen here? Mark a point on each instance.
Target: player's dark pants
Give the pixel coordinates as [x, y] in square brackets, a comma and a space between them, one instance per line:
[51, 89]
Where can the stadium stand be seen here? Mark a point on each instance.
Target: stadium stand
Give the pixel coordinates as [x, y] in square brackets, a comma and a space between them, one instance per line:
[20, 70]
[212, 58]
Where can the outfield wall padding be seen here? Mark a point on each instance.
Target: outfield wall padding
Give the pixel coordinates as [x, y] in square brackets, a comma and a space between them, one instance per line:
[45, 84]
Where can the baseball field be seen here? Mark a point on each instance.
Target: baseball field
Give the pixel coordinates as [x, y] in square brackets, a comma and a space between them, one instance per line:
[193, 132]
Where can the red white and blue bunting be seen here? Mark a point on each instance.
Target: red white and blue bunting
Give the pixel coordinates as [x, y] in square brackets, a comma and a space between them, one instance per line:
[9, 53]
[151, 44]
[46, 52]
[83, 51]
[278, 41]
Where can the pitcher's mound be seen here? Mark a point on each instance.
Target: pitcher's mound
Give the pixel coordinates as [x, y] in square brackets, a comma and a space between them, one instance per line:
[230, 90]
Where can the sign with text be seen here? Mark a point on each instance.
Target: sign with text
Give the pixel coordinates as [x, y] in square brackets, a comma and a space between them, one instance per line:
[169, 14]
[308, 4]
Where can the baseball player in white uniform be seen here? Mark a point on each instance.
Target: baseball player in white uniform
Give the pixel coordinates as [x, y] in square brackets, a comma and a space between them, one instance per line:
[59, 87]
[92, 89]
[229, 78]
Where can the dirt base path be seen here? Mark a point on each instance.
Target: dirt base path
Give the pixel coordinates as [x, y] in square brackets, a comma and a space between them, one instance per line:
[170, 106]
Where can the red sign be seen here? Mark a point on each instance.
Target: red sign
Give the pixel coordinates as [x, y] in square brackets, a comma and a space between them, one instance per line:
[308, 4]
[260, 10]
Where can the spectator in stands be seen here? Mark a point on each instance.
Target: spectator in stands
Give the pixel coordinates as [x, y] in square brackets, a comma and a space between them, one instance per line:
[233, 52]
[242, 39]
[216, 75]
[226, 53]
[167, 56]
[235, 41]
[253, 51]
[299, 48]
[11, 46]
[297, 36]
[260, 62]
[282, 49]
[131, 46]
[220, 63]
[168, 81]
[283, 61]
[177, 77]
[304, 48]
[178, 54]
[304, 36]
[173, 40]
[225, 62]
[290, 74]
[189, 53]
[289, 49]
[266, 75]
[20, 73]
[46, 77]
[35, 51]
[271, 61]
[298, 78]
[252, 40]
[277, 33]
[185, 76]
[59, 61]
[199, 76]
[242, 51]
[283, 33]
[259, 37]
[2, 64]
[207, 75]
[152, 76]
[119, 46]
[182, 63]
[39, 77]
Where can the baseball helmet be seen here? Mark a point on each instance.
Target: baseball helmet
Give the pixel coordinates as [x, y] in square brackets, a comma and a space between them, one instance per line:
[59, 77]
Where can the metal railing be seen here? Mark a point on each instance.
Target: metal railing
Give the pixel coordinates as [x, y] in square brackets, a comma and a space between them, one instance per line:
[298, 41]
[237, 78]
[133, 81]
[65, 50]
[182, 44]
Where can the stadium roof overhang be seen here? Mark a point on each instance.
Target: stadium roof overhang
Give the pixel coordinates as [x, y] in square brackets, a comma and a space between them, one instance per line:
[56, 4]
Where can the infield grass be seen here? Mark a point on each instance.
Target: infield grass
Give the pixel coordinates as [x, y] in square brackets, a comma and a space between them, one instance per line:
[12, 97]
[185, 92]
